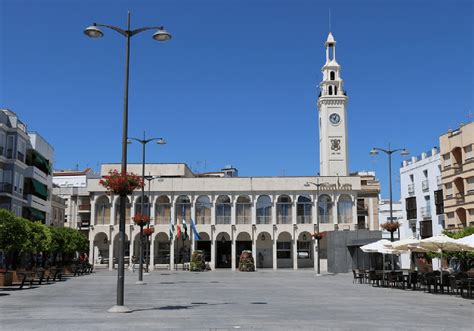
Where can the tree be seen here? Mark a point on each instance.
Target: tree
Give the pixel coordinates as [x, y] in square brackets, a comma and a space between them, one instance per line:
[14, 235]
[39, 237]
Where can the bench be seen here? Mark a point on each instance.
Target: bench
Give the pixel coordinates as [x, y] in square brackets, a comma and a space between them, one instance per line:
[26, 277]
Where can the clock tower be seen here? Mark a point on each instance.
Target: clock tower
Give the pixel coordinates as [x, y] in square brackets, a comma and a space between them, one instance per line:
[332, 102]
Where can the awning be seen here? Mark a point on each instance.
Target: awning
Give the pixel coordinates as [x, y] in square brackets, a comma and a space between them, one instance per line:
[39, 188]
[36, 214]
[41, 161]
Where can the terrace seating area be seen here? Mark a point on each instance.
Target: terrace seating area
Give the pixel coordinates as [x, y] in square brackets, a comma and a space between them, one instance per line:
[436, 282]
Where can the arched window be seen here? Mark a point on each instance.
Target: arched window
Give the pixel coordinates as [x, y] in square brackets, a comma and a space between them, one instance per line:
[335, 90]
[163, 210]
[146, 206]
[344, 209]
[332, 75]
[325, 209]
[128, 211]
[330, 89]
[183, 209]
[223, 210]
[102, 210]
[264, 210]
[203, 210]
[243, 210]
[303, 210]
[284, 209]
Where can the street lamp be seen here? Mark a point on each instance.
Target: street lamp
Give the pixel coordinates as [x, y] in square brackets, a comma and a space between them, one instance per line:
[318, 185]
[161, 35]
[389, 152]
[144, 141]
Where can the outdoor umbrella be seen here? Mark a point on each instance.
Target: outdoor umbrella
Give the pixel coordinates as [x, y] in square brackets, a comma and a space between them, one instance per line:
[468, 242]
[442, 243]
[409, 244]
[379, 247]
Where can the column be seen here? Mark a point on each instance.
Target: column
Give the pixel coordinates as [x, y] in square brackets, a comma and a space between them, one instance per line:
[213, 211]
[254, 209]
[274, 210]
[314, 246]
[295, 249]
[233, 247]
[334, 209]
[233, 211]
[254, 246]
[274, 250]
[152, 253]
[92, 212]
[132, 209]
[213, 248]
[354, 212]
[191, 239]
[315, 210]
[93, 249]
[172, 221]
[111, 253]
[112, 211]
[294, 210]
[152, 210]
[132, 241]
[370, 218]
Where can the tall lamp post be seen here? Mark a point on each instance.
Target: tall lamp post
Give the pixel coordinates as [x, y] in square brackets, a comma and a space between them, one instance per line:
[144, 141]
[94, 31]
[318, 185]
[389, 152]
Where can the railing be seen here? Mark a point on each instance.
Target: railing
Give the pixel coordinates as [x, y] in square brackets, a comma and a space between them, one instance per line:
[425, 185]
[223, 219]
[344, 219]
[6, 187]
[325, 219]
[425, 212]
[283, 219]
[244, 219]
[411, 189]
[20, 156]
[304, 219]
[457, 168]
[85, 207]
[264, 219]
[459, 198]
[203, 220]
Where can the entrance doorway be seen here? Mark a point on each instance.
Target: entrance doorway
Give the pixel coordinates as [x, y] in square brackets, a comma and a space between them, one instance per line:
[205, 247]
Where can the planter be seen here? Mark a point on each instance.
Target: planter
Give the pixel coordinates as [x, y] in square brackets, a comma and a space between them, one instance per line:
[197, 261]
[6, 278]
[246, 262]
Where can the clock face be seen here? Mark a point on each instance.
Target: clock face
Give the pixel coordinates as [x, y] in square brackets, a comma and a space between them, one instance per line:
[334, 118]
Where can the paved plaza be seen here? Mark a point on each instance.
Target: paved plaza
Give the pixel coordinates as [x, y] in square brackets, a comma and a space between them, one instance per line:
[227, 300]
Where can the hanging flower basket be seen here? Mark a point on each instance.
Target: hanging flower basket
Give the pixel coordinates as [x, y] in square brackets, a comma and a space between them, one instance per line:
[141, 219]
[118, 183]
[390, 226]
[319, 235]
[148, 231]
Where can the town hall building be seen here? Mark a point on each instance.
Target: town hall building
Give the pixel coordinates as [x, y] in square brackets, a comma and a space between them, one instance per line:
[274, 217]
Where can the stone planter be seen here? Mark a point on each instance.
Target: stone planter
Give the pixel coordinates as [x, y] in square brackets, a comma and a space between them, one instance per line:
[6, 278]
[246, 262]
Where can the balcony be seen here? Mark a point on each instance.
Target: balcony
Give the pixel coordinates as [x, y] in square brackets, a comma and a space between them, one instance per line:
[439, 181]
[304, 219]
[261, 219]
[223, 219]
[459, 198]
[325, 219]
[283, 219]
[203, 220]
[411, 189]
[85, 208]
[457, 167]
[243, 219]
[426, 212]
[425, 185]
[6, 188]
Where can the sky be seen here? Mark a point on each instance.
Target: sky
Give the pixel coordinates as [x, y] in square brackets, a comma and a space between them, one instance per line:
[237, 84]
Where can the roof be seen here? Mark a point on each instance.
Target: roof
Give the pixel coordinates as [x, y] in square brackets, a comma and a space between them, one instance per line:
[59, 173]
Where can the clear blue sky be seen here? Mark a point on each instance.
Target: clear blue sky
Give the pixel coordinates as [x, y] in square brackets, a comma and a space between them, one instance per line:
[238, 82]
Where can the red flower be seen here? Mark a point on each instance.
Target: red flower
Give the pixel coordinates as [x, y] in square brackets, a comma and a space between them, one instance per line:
[318, 235]
[141, 219]
[148, 231]
[119, 183]
[390, 226]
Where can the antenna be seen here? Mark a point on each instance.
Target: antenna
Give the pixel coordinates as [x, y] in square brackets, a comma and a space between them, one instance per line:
[329, 19]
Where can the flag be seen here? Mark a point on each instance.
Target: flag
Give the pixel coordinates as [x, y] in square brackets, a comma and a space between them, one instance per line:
[185, 230]
[195, 232]
[171, 230]
[178, 232]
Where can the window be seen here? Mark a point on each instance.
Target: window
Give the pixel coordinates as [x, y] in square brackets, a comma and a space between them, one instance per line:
[344, 209]
[203, 210]
[284, 210]
[10, 140]
[284, 250]
[304, 209]
[2, 143]
[469, 154]
[330, 90]
[264, 210]
[163, 210]
[146, 206]
[183, 209]
[304, 250]
[21, 150]
[102, 210]
[439, 202]
[325, 209]
[243, 210]
[223, 210]
[332, 75]
[411, 207]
